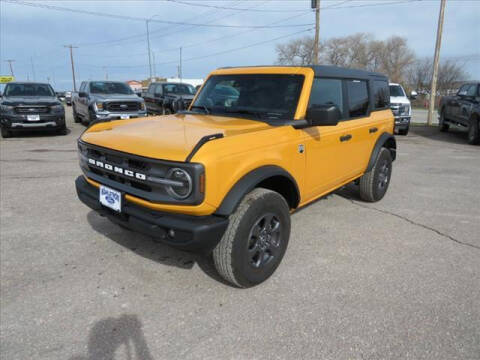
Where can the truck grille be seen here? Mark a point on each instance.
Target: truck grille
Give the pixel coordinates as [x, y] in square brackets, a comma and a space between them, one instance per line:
[34, 109]
[123, 106]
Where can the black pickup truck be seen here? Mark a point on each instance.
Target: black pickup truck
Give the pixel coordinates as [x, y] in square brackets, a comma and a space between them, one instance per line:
[462, 111]
[168, 98]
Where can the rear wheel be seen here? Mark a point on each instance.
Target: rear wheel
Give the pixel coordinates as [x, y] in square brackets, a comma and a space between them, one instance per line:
[443, 126]
[374, 184]
[473, 132]
[6, 133]
[256, 239]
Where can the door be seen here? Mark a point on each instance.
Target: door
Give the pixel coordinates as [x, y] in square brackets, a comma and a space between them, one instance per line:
[327, 148]
[158, 99]
[453, 106]
[149, 98]
[465, 104]
[82, 107]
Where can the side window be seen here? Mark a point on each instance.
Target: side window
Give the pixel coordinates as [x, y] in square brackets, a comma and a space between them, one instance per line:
[82, 86]
[158, 89]
[463, 90]
[472, 90]
[357, 97]
[327, 92]
[381, 94]
[150, 89]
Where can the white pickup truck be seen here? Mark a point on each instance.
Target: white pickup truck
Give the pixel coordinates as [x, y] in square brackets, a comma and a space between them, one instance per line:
[401, 108]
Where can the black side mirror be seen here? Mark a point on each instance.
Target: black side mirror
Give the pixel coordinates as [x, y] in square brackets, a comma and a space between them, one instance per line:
[82, 94]
[323, 115]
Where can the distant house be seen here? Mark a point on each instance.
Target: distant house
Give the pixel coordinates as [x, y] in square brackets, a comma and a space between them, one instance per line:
[135, 85]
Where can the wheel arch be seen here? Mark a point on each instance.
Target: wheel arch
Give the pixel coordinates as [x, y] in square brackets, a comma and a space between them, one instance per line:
[269, 177]
[385, 140]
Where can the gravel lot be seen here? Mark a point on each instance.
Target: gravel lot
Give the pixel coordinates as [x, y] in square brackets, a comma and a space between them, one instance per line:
[399, 279]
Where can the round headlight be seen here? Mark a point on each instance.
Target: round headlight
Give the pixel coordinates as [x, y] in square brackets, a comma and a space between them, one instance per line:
[183, 188]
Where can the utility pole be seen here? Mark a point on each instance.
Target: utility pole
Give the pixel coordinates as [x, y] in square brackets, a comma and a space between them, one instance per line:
[154, 66]
[433, 89]
[33, 69]
[316, 6]
[71, 47]
[149, 54]
[180, 66]
[10, 61]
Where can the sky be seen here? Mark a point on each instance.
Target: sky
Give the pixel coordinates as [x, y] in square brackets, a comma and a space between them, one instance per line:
[110, 36]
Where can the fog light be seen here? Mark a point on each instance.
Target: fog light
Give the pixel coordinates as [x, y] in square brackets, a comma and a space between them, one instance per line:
[171, 233]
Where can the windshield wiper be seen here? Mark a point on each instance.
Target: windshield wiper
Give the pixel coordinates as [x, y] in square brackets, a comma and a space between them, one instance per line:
[257, 114]
[203, 107]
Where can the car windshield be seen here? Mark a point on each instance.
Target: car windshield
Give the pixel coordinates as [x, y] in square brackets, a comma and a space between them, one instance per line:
[261, 97]
[396, 90]
[29, 90]
[179, 89]
[106, 87]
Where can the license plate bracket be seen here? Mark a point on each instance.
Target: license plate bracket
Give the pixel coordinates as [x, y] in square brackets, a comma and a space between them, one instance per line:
[110, 198]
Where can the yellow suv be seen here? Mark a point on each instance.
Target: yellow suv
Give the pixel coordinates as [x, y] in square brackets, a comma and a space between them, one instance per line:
[256, 144]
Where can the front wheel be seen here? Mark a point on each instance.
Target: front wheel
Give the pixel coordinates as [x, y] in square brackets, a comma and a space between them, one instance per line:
[374, 184]
[473, 132]
[404, 131]
[255, 240]
[443, 126]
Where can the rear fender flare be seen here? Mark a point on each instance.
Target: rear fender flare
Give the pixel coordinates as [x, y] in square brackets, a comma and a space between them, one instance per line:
[385, 140]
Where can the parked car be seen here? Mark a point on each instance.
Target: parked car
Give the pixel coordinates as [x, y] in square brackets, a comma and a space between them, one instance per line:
[30, 106]
[224, 177]
[68, 98]
[462, 111]
[168, 97]
[106, 100]
[401, 108]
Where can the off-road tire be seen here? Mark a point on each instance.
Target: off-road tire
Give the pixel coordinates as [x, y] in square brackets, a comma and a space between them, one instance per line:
[373, 184]
[441, 123]
[404, 132]
[6, 133]
[232, 257]
[473, 132]
[77, 119]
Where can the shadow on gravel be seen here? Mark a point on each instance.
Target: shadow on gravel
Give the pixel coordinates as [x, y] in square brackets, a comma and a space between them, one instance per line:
[149, 248]
[453, 136]
[36, 134]
[122, 336]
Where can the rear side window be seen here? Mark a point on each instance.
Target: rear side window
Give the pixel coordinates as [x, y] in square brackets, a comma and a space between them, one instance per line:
[357, 98]
[472, 90]
[327, 92]
[381, 94]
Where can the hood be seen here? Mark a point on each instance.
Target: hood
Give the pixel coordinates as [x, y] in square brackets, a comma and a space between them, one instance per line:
[117, 97]
[399, 100]
[30, 100]
[169, 137]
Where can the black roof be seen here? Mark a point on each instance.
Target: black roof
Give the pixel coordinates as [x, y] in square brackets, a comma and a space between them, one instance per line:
[327, 71]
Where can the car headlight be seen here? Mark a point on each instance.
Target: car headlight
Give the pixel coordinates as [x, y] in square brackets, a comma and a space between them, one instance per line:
[6, 108]
[181, 186]
[142, 106]
[58, 108]
[99, 106]
[405, 109]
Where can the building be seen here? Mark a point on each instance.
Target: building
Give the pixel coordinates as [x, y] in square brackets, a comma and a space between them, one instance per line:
[135, 85]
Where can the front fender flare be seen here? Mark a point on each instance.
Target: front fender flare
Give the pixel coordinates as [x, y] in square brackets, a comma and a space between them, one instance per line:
[247, 183]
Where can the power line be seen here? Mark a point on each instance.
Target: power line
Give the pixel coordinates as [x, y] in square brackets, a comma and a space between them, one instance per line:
[230, 8]
[133, 18]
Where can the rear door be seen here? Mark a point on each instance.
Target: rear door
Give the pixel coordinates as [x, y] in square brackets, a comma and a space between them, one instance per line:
[465, 104]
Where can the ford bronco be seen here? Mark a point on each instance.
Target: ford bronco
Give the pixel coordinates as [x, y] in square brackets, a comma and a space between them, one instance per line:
[225, 175]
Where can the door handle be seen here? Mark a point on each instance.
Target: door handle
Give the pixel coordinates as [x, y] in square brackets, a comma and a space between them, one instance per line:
[345, 137]
[372, 130]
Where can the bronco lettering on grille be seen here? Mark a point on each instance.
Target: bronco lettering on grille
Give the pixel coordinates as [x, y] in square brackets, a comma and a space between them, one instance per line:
[117, 169]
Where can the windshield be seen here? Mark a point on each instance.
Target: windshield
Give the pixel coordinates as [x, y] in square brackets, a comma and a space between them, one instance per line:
[179, 89]
[29, 90]
[104, 87]
[396, 90]
[262, 97]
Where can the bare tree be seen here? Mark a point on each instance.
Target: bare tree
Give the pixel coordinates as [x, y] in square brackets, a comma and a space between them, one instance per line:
[395, 58]
[296, 52]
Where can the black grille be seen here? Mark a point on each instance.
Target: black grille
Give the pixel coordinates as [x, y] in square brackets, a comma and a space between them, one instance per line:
[34, 109]
[122, 106]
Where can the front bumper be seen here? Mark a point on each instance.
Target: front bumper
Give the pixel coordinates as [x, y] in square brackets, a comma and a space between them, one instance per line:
[20, 122]
[402, 121]
[193, 233]
[106, 116]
